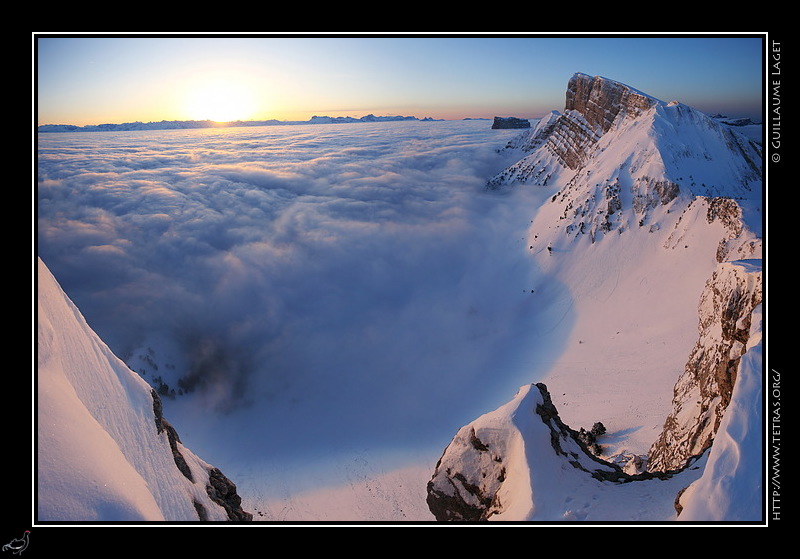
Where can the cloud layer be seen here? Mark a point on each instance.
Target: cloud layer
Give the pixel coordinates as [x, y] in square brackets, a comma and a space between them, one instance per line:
[324, 283]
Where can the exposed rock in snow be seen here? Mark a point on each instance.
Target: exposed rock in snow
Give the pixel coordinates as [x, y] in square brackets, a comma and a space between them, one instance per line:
[104, 451]
[474, 477]
[731, 487]
[704, 390]
[504, 465]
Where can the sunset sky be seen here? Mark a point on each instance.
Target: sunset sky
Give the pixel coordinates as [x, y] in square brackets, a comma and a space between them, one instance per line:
[85, 80]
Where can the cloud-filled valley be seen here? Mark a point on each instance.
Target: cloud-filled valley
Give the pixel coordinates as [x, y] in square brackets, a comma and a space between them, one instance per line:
[319, 287]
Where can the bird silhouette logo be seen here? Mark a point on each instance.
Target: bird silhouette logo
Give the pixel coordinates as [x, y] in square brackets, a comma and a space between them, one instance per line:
[18, 545]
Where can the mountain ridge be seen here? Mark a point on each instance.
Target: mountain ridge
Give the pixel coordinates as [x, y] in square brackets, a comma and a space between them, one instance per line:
[654, 211]
[104, 450]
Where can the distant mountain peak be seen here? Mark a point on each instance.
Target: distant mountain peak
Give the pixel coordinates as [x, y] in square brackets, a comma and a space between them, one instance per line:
[615, 154]
[596, 107]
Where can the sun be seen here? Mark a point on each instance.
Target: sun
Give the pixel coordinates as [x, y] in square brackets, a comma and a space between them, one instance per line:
[220, 101]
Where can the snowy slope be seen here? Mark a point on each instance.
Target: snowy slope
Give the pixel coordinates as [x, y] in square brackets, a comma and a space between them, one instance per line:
[100, 456]
[521, 463]
[520, 476]
[536, 482]
[635, 255]
[644, 202]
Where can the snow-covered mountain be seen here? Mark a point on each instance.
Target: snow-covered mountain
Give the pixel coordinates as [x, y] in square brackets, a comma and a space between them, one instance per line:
[644, 401]
[104, 450]
[653, 223]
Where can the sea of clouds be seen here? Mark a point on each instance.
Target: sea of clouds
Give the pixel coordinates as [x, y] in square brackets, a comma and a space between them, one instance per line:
[327, 285]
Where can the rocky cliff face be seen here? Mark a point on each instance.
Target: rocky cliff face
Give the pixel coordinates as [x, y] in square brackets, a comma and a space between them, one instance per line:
[703, 391]
[593, 105]
[601, 102]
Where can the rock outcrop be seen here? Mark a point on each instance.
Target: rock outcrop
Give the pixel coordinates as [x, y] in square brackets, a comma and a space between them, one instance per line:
[223, 491]
[219, 488]
[703, 391]
[486, 470]
[600, 102]
[162, 425]
[618, 161]
[511, 122]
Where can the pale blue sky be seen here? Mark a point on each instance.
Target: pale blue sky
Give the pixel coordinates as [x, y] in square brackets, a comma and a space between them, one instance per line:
[94, 80]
